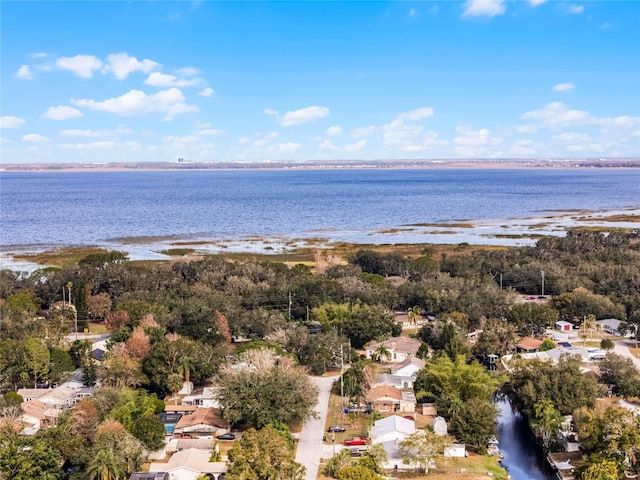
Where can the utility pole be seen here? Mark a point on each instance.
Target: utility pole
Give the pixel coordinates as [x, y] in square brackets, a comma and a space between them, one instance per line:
[289, 306]
[342, 383]
[500, 281]
[542, 272]
[307, 313]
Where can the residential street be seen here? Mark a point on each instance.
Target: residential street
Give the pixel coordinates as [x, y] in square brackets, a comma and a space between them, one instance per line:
[310, 440]
[621, 347]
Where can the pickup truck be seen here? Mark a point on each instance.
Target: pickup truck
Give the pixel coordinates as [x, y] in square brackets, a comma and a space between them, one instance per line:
[355, 441]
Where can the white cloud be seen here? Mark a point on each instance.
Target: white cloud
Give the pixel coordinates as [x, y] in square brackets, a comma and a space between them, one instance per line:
[9, 121]
[288, 147]
[62, 112]
[122, 64]
[94, 133]
[327, 144]
[24, 72]
[582, 147]
[209, 131]
[576, 9]
[270, 111]
[398, 135]
[80, 133]
[622, 121]
[243, 140]
[100, 145]
[265, 139]
[184, 139]
[471, 142]
[81, 65]
[488, 8]
[170, 102]
[535, 3]
[188, 72]
[521, 150]
[556, 114]
[471, 138]
[564, 87]
[354, 147]
[303, 115]
[334, 131]
[412, 12]
[39, 55]
[158, 79]
[360, 132]
[34, 138]
[417, 114]
[527, 129]
[207, 92]
[572, 137]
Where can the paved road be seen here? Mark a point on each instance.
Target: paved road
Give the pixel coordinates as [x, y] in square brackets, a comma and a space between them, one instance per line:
[621, 347]
[310, 438]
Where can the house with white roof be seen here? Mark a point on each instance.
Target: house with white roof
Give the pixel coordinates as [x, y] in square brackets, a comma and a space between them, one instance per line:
[395, 381]
[189, 464]
[564, 326]
[204, 398]
[611, 326]
[408, 367]
[389, 432]
[62, 397]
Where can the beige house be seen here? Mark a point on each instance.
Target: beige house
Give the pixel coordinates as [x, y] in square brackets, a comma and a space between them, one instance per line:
[204, 422]
[189, 464]
[386, 398]
[37, 415]
[400, 348]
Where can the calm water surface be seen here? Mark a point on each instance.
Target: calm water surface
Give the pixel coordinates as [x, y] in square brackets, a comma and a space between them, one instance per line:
[81, 208]
[517, 443]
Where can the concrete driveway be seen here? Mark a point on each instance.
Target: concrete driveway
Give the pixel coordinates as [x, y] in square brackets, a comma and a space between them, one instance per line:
[310, 444]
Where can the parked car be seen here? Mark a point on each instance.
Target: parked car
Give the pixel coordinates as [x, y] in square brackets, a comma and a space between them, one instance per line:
[355, 441]
[226, 436]
[357, 451]
[335, 428]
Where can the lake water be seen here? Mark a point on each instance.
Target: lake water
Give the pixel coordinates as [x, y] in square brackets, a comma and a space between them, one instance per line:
[273, 209]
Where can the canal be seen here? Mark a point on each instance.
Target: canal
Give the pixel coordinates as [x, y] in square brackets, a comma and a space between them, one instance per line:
[522, 459]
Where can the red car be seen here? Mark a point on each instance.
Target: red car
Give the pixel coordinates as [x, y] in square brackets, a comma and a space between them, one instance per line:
[356, 441]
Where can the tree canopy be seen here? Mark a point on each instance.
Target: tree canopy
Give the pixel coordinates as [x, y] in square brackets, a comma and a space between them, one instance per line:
[263, 455]
[268, 389]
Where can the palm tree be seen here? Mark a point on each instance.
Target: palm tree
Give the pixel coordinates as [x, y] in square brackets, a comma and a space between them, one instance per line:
[174, 384]
[185, 367]
[548, 421]
[414, 314]
[381, 353]
[105, 466]
[589, 322]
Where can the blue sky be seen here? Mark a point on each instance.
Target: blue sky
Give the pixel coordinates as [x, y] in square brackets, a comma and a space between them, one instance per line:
[208, 81]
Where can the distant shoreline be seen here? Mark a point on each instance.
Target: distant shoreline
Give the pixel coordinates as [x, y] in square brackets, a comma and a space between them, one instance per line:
[618, 163]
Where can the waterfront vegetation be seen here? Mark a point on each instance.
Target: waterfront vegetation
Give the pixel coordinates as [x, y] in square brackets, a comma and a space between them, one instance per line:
[188, 319]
